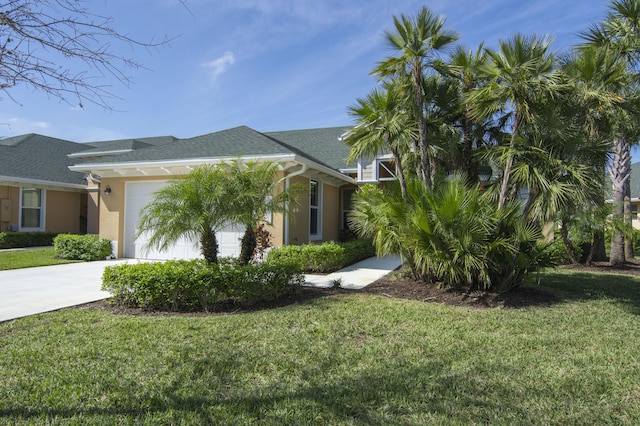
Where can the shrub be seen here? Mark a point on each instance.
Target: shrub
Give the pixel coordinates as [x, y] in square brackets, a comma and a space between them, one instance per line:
[81, 247]
[454, 236]
[180, 285]
[26, 239]
[327, 257]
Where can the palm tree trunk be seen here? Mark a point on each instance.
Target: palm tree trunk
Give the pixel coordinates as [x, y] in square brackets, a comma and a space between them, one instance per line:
[506, 177]
[423, 144]
[564, 235]
[619, 175]
[247, 246]
[401, 178]
[467, 145]
[628, 220]
[209, 247]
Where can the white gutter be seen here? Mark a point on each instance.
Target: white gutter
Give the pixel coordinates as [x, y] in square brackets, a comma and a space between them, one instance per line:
[15, 180]
[90, 153]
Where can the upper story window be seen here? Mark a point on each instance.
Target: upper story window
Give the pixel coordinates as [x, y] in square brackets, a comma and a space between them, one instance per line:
[31, 209]
[315, 209]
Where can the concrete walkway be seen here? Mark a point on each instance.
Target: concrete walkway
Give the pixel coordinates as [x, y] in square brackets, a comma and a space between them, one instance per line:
[358, 275]
[31, 291]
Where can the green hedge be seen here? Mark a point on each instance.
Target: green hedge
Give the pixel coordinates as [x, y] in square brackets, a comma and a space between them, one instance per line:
[26, 239]
[81, 247]
[181, 285]
[324, 258]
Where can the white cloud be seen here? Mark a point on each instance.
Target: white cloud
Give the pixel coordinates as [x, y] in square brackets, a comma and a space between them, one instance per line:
[220, 65]
[19, 126]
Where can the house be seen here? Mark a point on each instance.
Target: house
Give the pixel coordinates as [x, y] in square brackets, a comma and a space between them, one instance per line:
[38, 192]
[48, 184]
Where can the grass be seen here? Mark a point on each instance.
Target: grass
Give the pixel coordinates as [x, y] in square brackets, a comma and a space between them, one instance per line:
[349, 359]
[16, 259]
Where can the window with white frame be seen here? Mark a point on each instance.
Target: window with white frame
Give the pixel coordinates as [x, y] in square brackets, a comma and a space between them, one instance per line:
[315, 209]
[31, 209]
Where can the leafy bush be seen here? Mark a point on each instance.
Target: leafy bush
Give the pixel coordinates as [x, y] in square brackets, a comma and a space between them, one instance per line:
[327, 257]
[453, 236]
[26, 239]
[81, 247]
[180, 285]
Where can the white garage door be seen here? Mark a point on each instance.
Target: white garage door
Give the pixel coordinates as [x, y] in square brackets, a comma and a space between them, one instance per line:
[138, 195]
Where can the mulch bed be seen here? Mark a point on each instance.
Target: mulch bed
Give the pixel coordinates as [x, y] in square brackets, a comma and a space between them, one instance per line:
[396, 285]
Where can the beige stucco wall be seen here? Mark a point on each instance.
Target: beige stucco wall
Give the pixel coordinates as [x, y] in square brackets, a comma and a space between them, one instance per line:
[299, 223]
[9, 206]
[63, 209]
[330, 212]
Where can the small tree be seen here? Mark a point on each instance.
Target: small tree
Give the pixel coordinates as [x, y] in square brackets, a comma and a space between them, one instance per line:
[196, 206]
[257, 192]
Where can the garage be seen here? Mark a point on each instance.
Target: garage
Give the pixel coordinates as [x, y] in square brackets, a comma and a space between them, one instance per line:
[138, 195]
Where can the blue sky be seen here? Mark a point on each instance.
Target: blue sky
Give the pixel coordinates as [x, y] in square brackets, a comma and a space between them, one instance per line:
[268, 64]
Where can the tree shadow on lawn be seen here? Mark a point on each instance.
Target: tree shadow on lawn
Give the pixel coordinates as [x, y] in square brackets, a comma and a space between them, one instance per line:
[395, 393]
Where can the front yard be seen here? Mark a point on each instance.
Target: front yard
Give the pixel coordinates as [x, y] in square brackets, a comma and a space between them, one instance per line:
[349, 358]
[27, 258]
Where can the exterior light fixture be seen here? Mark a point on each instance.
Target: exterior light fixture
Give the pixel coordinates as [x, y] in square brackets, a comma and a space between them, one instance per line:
[107, 191]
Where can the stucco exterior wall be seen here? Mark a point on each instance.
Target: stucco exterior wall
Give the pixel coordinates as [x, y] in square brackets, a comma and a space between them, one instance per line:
[63, 211]
[111, 212]
[9, 206]
[299, 222]
[330, 213]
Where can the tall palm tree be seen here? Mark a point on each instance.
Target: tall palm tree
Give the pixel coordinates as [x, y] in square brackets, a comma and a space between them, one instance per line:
[597, 80]
[417, 41]
[195, 207]
[619, 32]
[464, 67]
[520, 72]
[382, 125]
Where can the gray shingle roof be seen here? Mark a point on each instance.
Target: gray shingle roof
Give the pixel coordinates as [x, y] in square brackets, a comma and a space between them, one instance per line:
[38, 157]
[226, 143]
[123, 144]
[321, 144]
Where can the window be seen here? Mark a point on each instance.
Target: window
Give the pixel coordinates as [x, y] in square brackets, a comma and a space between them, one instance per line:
[387, 170]
[315, 218]
[31, 202]
[347, 197]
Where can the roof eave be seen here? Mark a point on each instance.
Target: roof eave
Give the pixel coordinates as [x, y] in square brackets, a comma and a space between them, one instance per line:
[17, 181]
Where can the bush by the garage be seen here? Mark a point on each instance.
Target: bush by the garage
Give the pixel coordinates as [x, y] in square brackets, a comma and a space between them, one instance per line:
[81, 247]
[26, 239]
[324, 258]
[180, 285]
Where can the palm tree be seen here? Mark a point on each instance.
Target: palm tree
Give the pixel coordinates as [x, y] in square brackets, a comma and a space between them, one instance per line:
[417, 41]
[464, 67]
[620, 34]
[258, 192]
[382, 125]
[196, 207]
[520, 72]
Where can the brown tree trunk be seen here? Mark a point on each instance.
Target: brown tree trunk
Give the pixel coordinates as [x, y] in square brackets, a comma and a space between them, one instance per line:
[628, 220]
[423, 144]
[564, 234]
[247, 246]
[506, 177]
[209, 247]
[619, 174]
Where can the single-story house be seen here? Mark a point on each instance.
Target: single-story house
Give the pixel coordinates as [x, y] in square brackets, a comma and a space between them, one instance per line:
[49, 184]
[38, 192]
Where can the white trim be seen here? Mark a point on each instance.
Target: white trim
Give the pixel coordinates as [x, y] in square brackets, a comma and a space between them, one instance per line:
[16, 181]
[43, 203]
[120, 167]
[90, 153]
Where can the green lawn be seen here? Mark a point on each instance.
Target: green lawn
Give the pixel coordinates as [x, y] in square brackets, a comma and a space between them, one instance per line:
[349, 359]
[16, 259]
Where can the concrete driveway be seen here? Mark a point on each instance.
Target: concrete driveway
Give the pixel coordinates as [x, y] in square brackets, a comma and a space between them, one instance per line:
[47, 288]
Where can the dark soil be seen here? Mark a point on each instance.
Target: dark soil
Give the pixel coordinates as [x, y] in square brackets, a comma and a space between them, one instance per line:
[396, 285]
